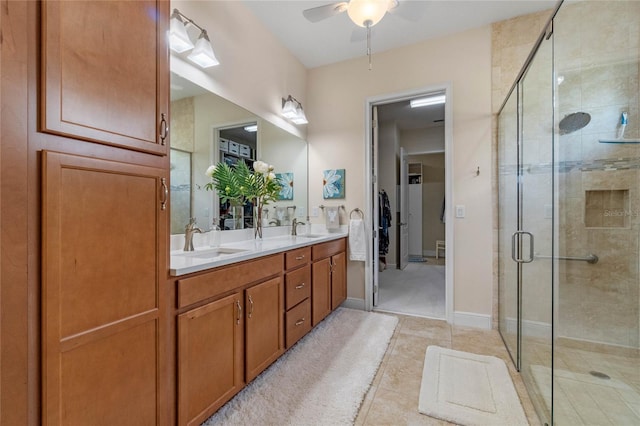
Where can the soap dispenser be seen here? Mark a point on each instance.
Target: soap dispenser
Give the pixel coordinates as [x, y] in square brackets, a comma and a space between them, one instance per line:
[215, 233]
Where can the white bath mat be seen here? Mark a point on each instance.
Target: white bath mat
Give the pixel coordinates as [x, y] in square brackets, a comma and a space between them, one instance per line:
[468, 389]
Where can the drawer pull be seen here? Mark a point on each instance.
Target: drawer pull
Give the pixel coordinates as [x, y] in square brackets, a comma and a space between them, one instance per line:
[250, 306]
[300, 286]
[300, 322]
[300, 257]
[239, 312]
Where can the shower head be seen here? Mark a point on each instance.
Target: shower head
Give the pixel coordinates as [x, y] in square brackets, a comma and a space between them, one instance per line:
[574, 121]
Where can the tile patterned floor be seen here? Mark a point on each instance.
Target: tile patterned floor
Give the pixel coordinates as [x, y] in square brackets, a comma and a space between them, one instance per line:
[393, 396]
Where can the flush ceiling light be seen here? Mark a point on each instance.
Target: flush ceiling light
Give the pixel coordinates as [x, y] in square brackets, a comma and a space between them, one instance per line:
[251, 128]
[203, 54]
[180, 42]
[430, 100]
[292, 109]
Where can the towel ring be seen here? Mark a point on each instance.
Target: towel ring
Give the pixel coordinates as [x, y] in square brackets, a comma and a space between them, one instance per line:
[356, 210]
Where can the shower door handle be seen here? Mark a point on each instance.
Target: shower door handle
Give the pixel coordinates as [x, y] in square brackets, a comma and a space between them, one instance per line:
[513, 247]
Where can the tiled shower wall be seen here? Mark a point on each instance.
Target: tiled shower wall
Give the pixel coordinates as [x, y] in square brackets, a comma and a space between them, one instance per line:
[596, 57]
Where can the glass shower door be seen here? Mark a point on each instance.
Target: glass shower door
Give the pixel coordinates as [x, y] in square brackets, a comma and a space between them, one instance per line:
[508, 225]
[537, 223]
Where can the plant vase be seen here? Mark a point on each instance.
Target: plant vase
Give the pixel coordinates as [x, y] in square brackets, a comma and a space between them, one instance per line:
[257, 220]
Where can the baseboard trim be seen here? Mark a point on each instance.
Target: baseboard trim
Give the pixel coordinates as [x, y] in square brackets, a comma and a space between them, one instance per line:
[470, 319]
[354, 303]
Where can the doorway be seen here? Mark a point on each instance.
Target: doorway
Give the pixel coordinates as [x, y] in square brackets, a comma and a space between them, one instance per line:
[409, 176]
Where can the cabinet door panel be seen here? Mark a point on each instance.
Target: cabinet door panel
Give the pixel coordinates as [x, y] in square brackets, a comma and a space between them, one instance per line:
[210, 353]
[338, 279]
[298, 286]
[104, 239]
[321, 290]
[264, 325]
[105, 71]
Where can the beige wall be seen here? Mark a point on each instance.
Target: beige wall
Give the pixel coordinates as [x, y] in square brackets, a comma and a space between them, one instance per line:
[336, 134]
[256, 71]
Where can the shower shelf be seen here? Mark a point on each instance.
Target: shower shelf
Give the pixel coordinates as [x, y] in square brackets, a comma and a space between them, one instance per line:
[624, 140]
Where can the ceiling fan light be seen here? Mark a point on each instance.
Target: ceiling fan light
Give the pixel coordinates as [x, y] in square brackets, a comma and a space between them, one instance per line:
[179, 40]
[203, 52]
[367, 12]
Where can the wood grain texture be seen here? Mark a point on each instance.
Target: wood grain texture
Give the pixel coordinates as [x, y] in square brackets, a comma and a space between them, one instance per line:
[100, 72]
[227, 278]
[338, 279]
[298, 322]
[297, 286]
[322, 250]
[321, 289]
[298, 257]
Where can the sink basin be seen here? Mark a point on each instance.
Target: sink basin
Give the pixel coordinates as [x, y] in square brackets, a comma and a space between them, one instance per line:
[211, 253]
[312, 235]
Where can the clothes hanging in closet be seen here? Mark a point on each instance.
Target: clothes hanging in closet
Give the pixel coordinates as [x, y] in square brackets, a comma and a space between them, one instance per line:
[384, 214]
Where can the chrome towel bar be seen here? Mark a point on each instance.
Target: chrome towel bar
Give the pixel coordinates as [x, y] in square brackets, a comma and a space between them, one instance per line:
[592, 258]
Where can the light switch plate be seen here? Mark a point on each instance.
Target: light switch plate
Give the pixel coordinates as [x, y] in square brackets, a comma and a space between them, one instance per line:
[460, 211]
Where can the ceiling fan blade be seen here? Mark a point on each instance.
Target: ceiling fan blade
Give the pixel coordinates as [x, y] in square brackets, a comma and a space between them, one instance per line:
[319, 13]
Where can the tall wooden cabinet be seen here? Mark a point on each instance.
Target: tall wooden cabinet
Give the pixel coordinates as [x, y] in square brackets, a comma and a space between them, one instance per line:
[86, 332]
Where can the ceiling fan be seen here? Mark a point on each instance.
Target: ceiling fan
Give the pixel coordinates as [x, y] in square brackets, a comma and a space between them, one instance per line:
[364, 13]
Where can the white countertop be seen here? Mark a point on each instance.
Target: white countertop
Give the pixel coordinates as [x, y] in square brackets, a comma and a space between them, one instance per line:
[183, 263]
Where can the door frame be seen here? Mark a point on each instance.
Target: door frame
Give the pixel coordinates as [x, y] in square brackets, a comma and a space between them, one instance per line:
[372, 202]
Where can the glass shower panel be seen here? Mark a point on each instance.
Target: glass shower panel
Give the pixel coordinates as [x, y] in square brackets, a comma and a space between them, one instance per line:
[508, 288]
[537, 206]
[596, 366]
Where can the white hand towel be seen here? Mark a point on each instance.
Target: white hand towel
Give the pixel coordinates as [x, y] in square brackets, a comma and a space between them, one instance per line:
[357, 240]
[332, 217]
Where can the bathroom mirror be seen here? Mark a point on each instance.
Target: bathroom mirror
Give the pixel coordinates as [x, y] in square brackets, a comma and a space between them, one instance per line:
[207, 129]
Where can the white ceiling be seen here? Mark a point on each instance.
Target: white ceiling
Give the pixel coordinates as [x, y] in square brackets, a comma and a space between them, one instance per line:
[337, 38]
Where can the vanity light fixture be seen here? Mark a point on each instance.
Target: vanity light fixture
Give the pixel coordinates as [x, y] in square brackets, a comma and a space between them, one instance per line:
[251, 128]
[292, 109]
[429, 100]
[180, 42]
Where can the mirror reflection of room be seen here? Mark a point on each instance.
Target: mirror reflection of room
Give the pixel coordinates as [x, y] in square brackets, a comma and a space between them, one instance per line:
[207, 129]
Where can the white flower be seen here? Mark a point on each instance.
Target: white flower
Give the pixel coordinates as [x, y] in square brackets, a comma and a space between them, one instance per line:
[271, 176]
[330, 189]
[286, 190]
[209, 171]
[260, 167]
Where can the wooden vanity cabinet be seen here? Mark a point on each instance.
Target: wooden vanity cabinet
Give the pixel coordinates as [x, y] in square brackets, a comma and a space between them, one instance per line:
[297, 294]
[231, 327]
[329, 283]
[210, 358]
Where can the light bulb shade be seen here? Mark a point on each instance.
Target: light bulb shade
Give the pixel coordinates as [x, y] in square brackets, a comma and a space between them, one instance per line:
[179, 40]
[300, 117]
[289, 109]
[367, 12]
[203, 52]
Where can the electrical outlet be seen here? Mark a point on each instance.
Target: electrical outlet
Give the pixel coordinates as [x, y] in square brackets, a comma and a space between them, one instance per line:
[315, 211]
[460, 211]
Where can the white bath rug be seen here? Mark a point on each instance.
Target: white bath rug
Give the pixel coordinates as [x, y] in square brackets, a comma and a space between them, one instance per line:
[322, 380]
[468, 389]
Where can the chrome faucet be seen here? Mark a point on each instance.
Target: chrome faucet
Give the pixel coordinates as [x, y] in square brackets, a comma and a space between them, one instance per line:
[294, 226]
[189, 230]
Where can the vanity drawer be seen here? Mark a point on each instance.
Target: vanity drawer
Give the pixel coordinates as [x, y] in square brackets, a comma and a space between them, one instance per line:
[322, 250]
[297, 286]
[227, 278]
[298, 322]
[298, 257]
